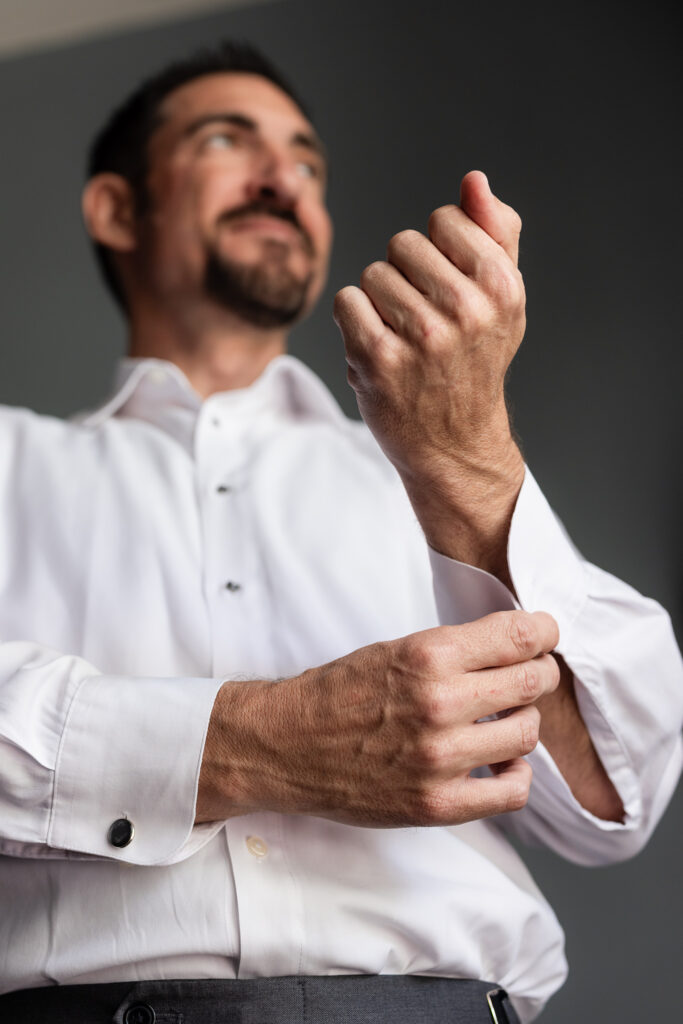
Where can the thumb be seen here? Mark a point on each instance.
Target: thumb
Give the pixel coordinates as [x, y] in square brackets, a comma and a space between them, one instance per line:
[500, 222]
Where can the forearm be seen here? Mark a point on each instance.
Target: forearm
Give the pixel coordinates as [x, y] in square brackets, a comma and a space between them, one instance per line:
[564, 734]
[466, 507]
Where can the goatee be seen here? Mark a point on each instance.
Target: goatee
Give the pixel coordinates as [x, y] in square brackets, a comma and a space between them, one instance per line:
[265, 294]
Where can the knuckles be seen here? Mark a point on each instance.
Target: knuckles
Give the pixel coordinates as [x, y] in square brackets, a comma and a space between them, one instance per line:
[430, 753]
[529, 724]
[518, 793]
[523, 633]
[372, 273]
[431, 330]
[503, 283]
[441, 219]
[529, 681]
[433, 705]
[403, 242]
[473, 317]
[422, 654]
[342, 302]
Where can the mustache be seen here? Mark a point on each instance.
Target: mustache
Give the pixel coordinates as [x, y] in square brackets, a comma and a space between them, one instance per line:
[270, 209]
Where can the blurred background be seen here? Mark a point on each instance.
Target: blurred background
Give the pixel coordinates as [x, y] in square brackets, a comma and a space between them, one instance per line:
[572, 110]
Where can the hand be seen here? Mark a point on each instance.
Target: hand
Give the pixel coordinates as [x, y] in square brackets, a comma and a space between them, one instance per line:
[431, 332]
[388, 736]
[429, 337]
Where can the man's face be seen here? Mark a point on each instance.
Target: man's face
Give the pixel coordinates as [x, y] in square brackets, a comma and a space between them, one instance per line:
[236, 200]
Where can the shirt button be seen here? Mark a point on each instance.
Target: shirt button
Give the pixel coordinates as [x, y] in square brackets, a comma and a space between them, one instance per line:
[215, 422]
[158, 375]
[121, 833]
[223, 489]
[256, 846]
[232, 586]
[139, 1013]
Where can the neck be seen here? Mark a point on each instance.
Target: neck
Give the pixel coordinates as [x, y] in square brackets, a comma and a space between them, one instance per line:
[216, 352]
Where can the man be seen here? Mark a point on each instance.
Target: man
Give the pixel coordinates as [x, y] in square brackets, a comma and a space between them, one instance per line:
[238, 749]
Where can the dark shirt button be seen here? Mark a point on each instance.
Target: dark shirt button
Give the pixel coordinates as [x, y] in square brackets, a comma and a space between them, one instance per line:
[121, 832]
[232, 586]
[139, 1013]
[223, 489]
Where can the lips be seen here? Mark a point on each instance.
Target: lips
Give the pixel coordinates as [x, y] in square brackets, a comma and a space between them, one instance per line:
[273, 226]
[270, 221]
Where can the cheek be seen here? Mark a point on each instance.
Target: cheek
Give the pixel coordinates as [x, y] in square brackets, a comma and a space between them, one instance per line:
[321, 231]
[175, 243]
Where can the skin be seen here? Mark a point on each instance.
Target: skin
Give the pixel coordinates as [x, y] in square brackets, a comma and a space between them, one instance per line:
[429, 335]
[199, 172]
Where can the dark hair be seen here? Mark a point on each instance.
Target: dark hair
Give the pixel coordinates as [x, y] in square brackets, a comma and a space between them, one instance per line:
[121, 145]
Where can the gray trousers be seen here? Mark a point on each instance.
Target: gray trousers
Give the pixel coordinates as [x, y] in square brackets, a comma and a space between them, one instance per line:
[355, 999]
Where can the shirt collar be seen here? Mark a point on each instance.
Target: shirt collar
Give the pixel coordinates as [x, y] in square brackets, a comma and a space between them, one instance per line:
[147, 388]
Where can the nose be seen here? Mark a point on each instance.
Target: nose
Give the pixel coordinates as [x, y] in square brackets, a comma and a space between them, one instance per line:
[275, 177]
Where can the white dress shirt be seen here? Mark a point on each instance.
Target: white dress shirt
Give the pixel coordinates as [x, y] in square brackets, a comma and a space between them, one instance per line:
[160, 545]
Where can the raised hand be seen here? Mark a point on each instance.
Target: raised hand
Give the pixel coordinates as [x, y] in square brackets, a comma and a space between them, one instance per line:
[430, 334]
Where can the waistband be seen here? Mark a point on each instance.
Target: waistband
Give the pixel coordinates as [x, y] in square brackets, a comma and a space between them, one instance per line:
[338, 999]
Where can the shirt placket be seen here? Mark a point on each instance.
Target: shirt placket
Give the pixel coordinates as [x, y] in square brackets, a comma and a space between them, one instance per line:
[228, 437]
[233, 581]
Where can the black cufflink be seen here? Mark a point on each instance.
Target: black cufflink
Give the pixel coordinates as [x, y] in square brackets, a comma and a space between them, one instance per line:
[120, 833]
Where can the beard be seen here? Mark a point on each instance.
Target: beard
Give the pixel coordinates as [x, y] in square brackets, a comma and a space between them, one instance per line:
[265, 294]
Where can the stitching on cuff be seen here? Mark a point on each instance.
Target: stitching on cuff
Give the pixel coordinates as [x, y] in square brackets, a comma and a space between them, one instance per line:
[60, 749]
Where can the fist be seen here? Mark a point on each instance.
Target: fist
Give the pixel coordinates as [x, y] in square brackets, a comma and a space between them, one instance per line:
[431, 332]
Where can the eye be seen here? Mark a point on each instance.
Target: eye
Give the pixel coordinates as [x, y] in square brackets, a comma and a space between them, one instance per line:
[219, 140]
[307, 170]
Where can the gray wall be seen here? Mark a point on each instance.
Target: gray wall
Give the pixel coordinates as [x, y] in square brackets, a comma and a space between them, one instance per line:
[574, 112]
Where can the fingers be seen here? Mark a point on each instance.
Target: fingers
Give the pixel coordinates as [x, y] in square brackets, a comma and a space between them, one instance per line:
[499, 221]
[495, 742]
[492, 691]
[398, 303]
[460, 674]
[466, 799]
[506, 790]
[462, 748]
[503, 638]
[459, 751]
[446, 276]
[361, 325]
[456, 245]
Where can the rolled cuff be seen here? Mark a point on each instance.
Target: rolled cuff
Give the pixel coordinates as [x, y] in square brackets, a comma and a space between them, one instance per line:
[627, 672]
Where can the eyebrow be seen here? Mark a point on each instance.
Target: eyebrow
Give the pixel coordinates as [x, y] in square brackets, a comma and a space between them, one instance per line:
[308, 140]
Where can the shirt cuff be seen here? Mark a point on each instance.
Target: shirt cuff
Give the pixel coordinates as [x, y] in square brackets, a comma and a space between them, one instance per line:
[464, 593]
[604, 627]
[132, 749]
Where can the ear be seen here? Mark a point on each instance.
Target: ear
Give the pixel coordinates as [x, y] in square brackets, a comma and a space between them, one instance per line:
[109, 212]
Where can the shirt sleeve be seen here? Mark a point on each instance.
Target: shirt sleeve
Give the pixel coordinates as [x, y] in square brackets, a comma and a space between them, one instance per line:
[628, 676]
[80, 750]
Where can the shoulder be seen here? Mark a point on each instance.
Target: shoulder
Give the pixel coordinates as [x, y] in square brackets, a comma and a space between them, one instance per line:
[31, 439]
[18, 421]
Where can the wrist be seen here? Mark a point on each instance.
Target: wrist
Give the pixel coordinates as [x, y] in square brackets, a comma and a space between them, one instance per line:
[228, 772]
[465, 501]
